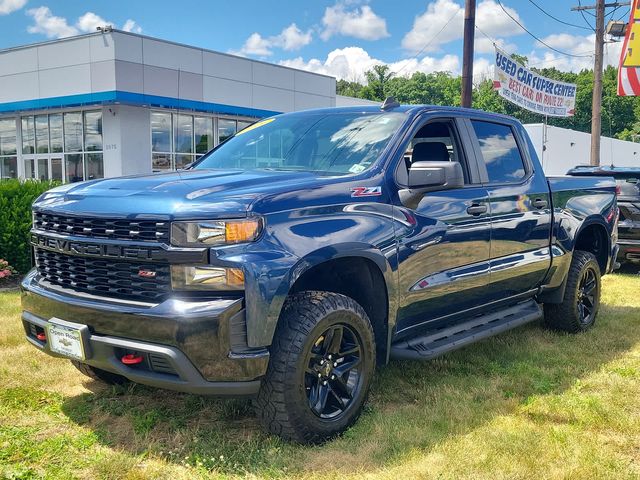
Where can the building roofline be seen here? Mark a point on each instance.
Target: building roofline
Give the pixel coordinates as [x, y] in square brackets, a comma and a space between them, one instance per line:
[148, 37]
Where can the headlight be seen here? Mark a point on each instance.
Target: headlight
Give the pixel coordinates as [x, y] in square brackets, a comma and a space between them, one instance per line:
[205, 277]
[222, 232]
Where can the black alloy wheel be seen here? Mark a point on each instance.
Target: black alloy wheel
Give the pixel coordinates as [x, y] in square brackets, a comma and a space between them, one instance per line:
[587, 294]
[579, 307]
[334, 371]
[321, 365]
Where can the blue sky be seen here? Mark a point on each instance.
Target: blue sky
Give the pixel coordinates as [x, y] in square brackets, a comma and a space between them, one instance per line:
[343, 38]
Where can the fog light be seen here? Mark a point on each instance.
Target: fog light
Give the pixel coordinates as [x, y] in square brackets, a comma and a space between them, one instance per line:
[205, 277]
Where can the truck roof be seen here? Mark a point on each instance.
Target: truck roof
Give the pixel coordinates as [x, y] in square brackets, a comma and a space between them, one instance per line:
[412, 109]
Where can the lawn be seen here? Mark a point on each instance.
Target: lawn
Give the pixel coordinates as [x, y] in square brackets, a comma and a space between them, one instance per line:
[530, 403]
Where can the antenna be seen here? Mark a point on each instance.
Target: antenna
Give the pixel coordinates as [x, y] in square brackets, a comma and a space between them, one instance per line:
[389, 103]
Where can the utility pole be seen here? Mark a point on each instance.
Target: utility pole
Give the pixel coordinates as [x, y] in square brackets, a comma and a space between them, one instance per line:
[467, 52]
[596, 109]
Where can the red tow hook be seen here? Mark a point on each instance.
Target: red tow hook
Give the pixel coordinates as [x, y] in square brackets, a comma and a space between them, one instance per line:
[41, 336]
[131, 359]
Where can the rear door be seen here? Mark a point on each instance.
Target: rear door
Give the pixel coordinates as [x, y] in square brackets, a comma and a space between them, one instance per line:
[444, 237]
[520, 209]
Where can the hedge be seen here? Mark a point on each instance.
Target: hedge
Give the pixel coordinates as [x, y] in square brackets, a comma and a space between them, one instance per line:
[16, 198]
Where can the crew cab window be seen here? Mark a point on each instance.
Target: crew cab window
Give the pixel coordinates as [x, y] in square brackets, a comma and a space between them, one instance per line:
[435, 141]
[500, 152]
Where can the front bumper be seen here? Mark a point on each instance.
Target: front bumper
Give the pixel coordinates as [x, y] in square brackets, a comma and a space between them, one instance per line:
[191, 345]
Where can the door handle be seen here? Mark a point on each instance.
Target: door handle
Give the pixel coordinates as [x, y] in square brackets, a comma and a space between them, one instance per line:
[477, 209]
[539, 203]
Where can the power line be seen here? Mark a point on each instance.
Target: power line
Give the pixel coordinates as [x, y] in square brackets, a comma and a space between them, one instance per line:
[539, 40]
[585, 18]
[430, 41]
[556, 18]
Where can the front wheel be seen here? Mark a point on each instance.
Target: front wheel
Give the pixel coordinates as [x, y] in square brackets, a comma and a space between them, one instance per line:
[581, 301]
[322, 361]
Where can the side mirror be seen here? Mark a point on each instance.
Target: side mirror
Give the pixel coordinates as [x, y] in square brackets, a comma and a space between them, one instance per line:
[428, 177]
[435, 176]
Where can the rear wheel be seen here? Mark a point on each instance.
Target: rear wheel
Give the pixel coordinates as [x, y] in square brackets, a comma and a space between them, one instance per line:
[581, 301]
[322, 362]
[99, 374]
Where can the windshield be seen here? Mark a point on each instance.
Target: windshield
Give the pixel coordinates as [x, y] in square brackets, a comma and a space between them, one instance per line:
[324, 143]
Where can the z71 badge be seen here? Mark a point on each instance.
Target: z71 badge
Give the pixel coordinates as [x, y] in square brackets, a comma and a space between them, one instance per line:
[366, 191]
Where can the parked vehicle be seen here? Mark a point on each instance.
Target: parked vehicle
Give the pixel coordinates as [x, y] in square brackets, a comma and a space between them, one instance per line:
[311, 246]
[628, 190]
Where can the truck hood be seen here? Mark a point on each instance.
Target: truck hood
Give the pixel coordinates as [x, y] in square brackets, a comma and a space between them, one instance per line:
[185, 194]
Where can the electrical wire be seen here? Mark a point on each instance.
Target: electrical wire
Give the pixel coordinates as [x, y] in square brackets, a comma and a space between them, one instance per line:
[556, 18]
[538, 39]
[430, 41]
[585, 18]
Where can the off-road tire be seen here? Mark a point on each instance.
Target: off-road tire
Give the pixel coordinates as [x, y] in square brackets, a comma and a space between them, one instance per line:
[283, 404]
[566, 316]
[99, 374]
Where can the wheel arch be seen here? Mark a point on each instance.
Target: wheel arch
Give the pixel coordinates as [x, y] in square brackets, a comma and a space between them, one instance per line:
[593, 236]
[340, 269]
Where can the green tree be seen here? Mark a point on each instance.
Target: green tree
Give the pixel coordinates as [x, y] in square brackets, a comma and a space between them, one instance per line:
[377, 79]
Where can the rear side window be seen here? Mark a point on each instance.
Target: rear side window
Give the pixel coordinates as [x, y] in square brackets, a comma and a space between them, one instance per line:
[500, 152]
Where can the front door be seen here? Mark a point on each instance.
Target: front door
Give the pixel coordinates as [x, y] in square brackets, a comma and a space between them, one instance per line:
[444, 244]
[43, 167]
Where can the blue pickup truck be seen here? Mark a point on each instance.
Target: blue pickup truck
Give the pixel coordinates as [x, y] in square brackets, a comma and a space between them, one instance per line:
[297, 255]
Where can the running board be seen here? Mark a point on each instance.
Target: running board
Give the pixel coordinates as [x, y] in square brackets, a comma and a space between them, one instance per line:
[438, 342]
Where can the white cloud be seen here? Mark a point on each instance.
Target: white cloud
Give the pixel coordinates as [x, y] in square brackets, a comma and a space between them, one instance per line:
[290, 38]
[10, 6]
[52, 26]
[574, 44]
[131, 26]
[484, 45]
[350, 63]
[90, 21]
[428, 27]
[46, 23]
[361, 22]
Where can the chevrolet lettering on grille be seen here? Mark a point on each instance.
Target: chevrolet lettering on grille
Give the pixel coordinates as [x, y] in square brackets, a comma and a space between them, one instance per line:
[91, 249]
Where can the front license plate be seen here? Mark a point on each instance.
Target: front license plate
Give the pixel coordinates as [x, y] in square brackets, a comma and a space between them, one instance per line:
[65, 340]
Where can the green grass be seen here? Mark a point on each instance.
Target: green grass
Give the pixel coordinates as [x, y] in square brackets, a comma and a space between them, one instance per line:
[530, 403]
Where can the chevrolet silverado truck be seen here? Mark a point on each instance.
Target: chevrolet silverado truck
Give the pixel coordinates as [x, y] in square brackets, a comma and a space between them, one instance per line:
[628, 181]
[295, 256]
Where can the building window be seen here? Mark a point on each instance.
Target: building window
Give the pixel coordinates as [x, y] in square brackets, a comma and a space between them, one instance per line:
[8, 148]
[42, 134]
[203, 133]
[226, 129]
[55, 132]
[28, 135]
[93, 131]
[62, 146]
[178, 139]
[72, 132]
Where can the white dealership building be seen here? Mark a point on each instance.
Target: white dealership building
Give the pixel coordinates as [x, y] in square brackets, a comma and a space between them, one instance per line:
[117, 103]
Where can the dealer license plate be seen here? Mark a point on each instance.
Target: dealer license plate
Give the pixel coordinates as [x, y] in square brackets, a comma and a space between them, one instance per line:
[65, 340]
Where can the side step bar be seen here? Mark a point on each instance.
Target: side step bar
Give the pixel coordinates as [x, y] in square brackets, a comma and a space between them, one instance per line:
[438, 342]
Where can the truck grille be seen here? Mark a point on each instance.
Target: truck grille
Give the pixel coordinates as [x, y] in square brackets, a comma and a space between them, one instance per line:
[134, 230]
[104, 277]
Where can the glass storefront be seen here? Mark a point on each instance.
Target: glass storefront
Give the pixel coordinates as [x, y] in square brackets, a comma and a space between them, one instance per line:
[8, 148]
[178, 139]
[63, 146]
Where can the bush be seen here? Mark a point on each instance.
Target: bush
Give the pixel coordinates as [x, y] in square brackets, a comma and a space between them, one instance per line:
[16, 198]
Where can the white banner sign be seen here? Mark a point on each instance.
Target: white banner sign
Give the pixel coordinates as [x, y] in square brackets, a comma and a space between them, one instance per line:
[527, 89]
